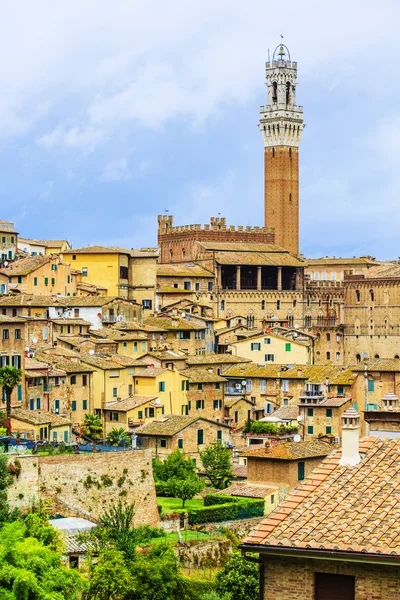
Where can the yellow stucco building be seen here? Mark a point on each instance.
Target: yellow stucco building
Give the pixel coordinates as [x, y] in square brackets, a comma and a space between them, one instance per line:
[272, 348]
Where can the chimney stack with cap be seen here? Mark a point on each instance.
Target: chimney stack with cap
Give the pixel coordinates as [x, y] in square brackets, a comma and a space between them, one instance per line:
[350, 438]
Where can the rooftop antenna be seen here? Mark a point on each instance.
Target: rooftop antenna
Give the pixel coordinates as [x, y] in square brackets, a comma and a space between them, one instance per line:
[268, 56]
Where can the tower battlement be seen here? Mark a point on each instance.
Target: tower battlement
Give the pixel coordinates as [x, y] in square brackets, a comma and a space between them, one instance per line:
[217, 224]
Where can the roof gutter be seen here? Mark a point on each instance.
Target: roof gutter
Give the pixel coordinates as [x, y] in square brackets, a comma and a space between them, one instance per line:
[354, 557]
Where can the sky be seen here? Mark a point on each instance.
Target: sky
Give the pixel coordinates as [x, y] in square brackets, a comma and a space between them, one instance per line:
[114, 112]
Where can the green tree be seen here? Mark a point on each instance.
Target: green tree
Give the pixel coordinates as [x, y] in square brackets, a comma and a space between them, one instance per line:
[110, 577]
[10, 377]
[216, 460]
[239, 579]
[174, 466]
[117, 437]
[92, 427]
[155, 574]
[185, 489]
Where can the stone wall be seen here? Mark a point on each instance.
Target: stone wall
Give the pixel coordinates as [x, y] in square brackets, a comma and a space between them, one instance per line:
[293, 579]
[86, 484]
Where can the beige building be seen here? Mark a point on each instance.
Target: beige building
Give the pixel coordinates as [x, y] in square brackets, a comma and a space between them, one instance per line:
[8, 242]
[40, 275]
[131, 412]
[272, 348]
[193, 335]
[332, 268]
[204, 393]
[42, 247]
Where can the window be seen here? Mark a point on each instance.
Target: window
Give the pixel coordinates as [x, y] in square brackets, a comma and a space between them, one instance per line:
[84, 380]
[180, 443]
[53, 281]
[236, 416]
[115, 392]
[288, 347]
[135, 346]
[219, 435]
[371, 385]
[278, 305]
[199, 404]
[340, 390]
[114, 416]
[183, 335]
[329, 413]
[31, 403]
[300, 470]
[17, 334]
[19, 393]
[222, 305]
[310, 430]
[125, 345]
[144, 345]
[35, 281]
[123, 272]
[286, 402]
[217, 386]
[197, 288]
[114, 373]
[19, 280]
[54, 436]
[57, 405]
[358, 296]
[199, 387]
[140, 414]
[16, 361]
[310, 412]
[337, 355]
[269, 357]
[210, 286]
[372, 295]
[200, 437]
[285, 385]
[328, 430]
[68, 279]
[267, 340]
[163, 443]
[272, 499]
[73, 405]
[187, 285]
[84, 272]
[84, 404]
[328, 337]
[37, 403]
[161, 386]
[130, 389]
[255, 346]
[217, 404]
[46, 281]
[147, 304]
[6, 334]
[328, 356]
[73, 379]
[263, 386]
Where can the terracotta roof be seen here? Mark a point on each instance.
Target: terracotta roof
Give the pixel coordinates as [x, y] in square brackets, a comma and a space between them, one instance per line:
[52, 243]
[173, 323]
[129, 403]
[172, 424]
[251, 369]
[97, 250]
[45, 301]
[342, 508]
[6, 319]
[248, 490]
[38, 418]
[337, 375]
[239, 471]
[337, 261]
[101, 362]
[198, 375]
[336, 401]
[383, 271]
[69, 366]
[252, 257]
[73, 545]
[379, 364]
[119, 335]
[229, 402]
[286, 413]
[151, 372]
[216, 359]
[32, 363]
[183, 270]
[24, 266]
[76, 321]
[7, 226]
[257, 334]
[290, 450]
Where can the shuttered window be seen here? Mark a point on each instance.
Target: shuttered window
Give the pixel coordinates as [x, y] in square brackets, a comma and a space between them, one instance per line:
[333, 587]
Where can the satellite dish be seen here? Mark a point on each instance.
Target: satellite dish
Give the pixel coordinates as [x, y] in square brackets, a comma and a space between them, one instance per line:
[365, 355]
[297, 438]
[5, 263]
[299, 418]
[91, 352]
[244, 382]
[27, 348]
[296, 326]
[183, 315]
[35, 340]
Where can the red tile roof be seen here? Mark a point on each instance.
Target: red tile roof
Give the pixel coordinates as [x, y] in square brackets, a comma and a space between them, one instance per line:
[342, 508]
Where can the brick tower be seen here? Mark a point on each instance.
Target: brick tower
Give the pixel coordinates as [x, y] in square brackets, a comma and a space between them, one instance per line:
[281, 124]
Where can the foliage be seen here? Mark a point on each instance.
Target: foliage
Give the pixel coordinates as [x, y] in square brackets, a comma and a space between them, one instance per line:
[243, 508]
[92, 427]
[195, 589]
[10, 377]
[155, 574]
[15, 468]
[216, 460]
[174, 466]
[270, 428]
[3, 420]
[172, 505]
[215, 596]
[29, 570]
[239, 579]
[118, 517]
[37, 526]
[186, 489]
[110, 577]
[118, 437]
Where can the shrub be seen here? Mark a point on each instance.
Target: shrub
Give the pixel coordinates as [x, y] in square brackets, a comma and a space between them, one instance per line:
[242, 508]
[213, 499]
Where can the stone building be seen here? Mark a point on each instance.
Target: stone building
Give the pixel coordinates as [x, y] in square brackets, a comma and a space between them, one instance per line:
[12, 351]
[8, 242]
[204, 393]
[41, 275]
[190, 334]
[329, 539]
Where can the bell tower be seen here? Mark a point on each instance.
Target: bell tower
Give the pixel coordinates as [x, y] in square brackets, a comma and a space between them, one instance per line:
[281, 125]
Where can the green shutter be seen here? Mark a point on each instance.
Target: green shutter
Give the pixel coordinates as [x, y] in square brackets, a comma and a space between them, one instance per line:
[328, 412]
[19, 393]
[310, 429]
[328, 430]
[35, 281]
[84, 404]
[46, 281]
[371, 385]
[73, 404]
[200, 437]
[288, 347]
[65, 436]
[140, 414]
[300, 471]
[53, 281]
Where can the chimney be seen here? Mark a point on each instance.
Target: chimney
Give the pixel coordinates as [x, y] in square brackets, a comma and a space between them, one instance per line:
[350, 438]
[390, 402]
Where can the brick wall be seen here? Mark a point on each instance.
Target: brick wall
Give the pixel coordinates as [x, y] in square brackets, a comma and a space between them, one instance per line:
[78, 484]
[282, 473]
[293, 579]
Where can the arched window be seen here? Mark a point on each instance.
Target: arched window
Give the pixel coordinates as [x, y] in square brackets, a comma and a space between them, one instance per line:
[396, 356]
[328, 337]
[275, 92]
[320, 319]
[222, 304]
[328, 356]
[183, 252]
[294, 303]
[171, 255]
[308, 321]
[318, 337]
[290, 319]
[372, 295]
[278, 305]
[376, 356]
[262, 304]
[358, 296]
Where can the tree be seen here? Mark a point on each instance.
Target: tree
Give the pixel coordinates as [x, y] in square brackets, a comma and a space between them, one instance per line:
[118, 437]
[185, 489]
[239, 579]
[10, 377]
[110, 577]
[155, 574]
[216, 460]
[174, 466]
[92, 427]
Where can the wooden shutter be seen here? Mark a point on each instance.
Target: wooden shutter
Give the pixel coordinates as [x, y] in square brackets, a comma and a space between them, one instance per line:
[334, 587]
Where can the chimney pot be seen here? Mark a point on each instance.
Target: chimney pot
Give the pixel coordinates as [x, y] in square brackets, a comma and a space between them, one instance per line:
[350, 438]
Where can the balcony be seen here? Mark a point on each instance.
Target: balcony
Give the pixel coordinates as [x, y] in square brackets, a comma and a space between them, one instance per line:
[311, 397]
[112, 318]
[236, 390]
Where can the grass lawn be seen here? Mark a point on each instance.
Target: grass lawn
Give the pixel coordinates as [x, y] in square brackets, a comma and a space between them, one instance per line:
[169, 505]
[187, 536]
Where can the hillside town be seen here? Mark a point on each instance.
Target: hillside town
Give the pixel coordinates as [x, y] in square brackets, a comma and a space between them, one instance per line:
[221, 392]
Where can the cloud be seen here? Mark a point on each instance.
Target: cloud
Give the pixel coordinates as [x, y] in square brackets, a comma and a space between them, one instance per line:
[86, 139]
[116, 170]
[47, 189]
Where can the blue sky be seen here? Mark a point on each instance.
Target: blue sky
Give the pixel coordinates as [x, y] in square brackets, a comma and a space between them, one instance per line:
[111, 113]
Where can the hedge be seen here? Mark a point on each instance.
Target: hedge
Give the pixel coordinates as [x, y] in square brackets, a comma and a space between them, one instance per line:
[243, 508]
[212, 499]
